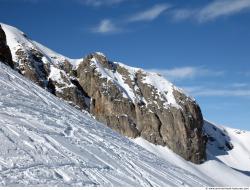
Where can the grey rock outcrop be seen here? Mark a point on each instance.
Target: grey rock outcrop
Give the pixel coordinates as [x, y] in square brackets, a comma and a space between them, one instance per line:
[31, 61]
[178, 128]
[122, 97]
[31, 64]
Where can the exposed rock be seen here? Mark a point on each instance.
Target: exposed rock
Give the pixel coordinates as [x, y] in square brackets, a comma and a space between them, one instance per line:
[5, 54]
[45, 70]
[129, 100]
[218, 141]
[229, 145]
[179, 128]
[67, 88]
[31, 65]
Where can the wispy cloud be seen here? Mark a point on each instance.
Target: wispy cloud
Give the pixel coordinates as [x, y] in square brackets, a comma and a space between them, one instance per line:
[106, 26]
[239, 85]
[183, 14]
[149, 14]
[187, 72]
[222, 8]
[247, 73]
[217, 92]
[213, 10]
[204, 88]
[20, 1]
[98, 3]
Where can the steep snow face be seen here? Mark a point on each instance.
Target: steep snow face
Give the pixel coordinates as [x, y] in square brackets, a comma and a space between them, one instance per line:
[230, 146]
[47, 142]
[164, 88]
[228, 156]
[57, 58]
[16, 39]
[115, 77]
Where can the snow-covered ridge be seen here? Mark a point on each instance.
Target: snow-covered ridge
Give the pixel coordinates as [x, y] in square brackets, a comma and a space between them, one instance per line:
[16, 40]
[224, 166]
[229, 145]
[115, 77]
[163, 87]
[47, 142]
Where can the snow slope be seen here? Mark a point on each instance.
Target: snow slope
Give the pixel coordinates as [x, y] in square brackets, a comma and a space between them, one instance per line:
[17, 39]
[239, 156]
[224, 167]
[46, 142]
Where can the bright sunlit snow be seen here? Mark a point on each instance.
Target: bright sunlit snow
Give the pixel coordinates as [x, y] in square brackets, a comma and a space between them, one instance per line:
[223, 168]
[44, 141]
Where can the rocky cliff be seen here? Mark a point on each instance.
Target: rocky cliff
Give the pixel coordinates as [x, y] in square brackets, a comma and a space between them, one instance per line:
[5, 55]
[131, 101]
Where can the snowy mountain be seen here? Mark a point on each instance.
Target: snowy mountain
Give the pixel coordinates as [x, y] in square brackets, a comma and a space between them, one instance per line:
[50, 106]
[129, 100]
[44, 141]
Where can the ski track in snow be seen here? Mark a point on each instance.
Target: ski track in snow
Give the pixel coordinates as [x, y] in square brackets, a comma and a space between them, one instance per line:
[45, 142]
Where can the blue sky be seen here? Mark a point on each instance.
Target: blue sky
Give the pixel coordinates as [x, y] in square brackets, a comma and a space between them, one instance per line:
[202, 46]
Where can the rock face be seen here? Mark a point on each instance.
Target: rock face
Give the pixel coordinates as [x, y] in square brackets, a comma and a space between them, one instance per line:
[45, 67]
[5, 55]
[129, 100]
[136, 103]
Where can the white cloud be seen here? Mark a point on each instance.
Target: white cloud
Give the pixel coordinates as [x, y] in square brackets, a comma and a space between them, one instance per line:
[98, 3]
[239, 85]
[204, 88]
[212, 10]
[183, 14]
[222, 8]
[150, 14]
[106, 26]
[204, 92]
[187, 73]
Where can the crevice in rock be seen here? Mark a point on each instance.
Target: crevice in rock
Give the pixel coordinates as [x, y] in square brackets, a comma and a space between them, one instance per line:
[79, 87]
